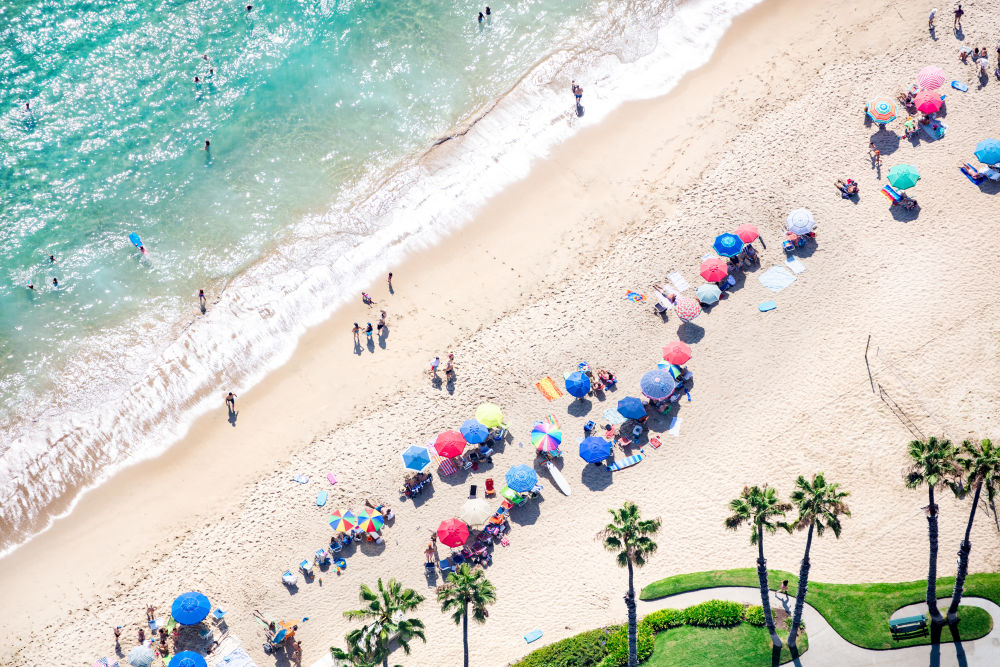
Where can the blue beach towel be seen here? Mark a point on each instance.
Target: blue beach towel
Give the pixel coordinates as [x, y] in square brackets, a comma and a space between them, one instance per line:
[301, 479]
[766, 306]
[958, 85]
[321, 498]
[776, 278]
[612, 416]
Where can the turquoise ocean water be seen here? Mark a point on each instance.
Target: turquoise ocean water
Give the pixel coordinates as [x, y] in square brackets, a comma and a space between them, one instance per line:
[322, 117]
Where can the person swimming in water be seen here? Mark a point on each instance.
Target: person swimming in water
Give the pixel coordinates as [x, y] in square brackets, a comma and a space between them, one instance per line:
[208, 144]
[31, 287]
[55, 282]
[52, 259]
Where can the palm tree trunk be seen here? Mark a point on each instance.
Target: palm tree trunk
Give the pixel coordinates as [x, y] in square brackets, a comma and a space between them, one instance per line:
[765, 593]
[963, 560]
[800, 594]
[465, 632]
[932, 536]
[633, 651]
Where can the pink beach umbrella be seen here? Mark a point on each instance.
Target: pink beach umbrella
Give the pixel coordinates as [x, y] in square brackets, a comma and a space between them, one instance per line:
[927, 102]
[931, 77]
[748, 233]
[715, 269]
[677, 353]
[687, 308]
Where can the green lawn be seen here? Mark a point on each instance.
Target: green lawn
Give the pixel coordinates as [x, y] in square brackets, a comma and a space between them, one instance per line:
[742, 646]
[858, 612]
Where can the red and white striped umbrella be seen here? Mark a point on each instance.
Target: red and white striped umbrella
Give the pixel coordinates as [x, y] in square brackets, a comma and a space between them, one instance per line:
[931, 77]
[927, 102]
[687, 308]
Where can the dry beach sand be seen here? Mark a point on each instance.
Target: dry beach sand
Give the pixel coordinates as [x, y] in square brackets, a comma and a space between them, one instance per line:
[535, 284]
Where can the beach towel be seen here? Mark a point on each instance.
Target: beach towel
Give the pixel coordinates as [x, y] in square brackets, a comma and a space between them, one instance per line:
[321, 498]
[624, 463]
[935, 130]
[795, 264]
[635, 297]
[533, 636]
[331, 478]
[301, 479]
[155, 624]
[105, 662]
[766, 306]
[971, 179]
[612, 416]
[445, 466]
[958, 85]
[549, 388]
[890, 193]
[655, 442]
[776, 278]
[677, 280]
[675, 426]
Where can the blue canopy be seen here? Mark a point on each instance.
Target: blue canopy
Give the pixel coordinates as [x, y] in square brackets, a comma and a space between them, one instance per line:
[474, 432]
[657, 384]
[188, 659]
[988, 151]
[416, 458]
[578, 384]
[727, 245]
[190, 608]
[631, 408]
[594, 449]
[521, 478]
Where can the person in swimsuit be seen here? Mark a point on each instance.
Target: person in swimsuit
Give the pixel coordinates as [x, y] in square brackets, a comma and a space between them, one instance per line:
[481, 17]
[487, 10]
[368, 331]
[208, 145]
[381, 321]
[231, 402]
[201, 297]
[55, 282]
[390, 280]
[357, 333]
[959, 12]
[434, 365]
[577, 92]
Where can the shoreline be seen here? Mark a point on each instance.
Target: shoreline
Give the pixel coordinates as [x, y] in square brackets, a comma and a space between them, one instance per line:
[595, 196]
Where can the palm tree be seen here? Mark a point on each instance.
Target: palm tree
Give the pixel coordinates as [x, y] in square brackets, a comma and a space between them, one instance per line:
[982, 469]
[362, 651]
[759, 508]
[467, 586]
[628, 536]
[820, 506]
[933, 463]
[386, 610]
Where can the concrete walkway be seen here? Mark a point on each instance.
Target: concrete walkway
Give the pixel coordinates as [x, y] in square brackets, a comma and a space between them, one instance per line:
[828, 649]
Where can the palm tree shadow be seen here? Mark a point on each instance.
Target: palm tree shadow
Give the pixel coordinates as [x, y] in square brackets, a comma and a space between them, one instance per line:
[935, 657]
[776, 657]
[956, 639]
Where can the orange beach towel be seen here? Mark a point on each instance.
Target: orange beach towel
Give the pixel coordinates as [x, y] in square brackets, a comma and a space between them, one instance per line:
[549, 388]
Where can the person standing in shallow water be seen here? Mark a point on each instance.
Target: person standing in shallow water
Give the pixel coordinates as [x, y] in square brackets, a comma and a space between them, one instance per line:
[577, 92]
[481, 17]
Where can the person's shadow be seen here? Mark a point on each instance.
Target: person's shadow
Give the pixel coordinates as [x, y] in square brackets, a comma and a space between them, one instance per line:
[371, 344]
[959, 33]
[233, 414]
[383, 334]
[579, 110]
[357, 346]
[931, 30]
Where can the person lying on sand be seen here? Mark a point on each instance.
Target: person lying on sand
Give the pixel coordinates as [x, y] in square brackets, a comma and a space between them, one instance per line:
[847, 188]
[381, 508]
[972, 173]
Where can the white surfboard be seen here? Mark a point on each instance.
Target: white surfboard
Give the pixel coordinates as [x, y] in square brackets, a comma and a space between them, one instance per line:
[557, 477]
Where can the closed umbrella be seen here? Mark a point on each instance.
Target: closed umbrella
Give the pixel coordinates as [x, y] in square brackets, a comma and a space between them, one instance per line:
[677, 352]
[903, 176]
[715, 269]
[631, 408]
[927, 102]
[342, 522]
[687, 308]
[748, 233]
[190, 608]
[521, 478]
[578, 384]
[594, 449]
[988, 151]
[474, 432]
[453, 532]
[141, 656]
[657, 384]
[416, 458]
[800, 221]
[727, 245]
[188, 659]
[489, 415]
[476, 512]
[708, 294]
[546, 436]
[931, 77]
[882, 110]
[449, 444]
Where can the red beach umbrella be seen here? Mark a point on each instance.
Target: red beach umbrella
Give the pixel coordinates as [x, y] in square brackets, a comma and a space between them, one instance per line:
[927, 102]
[687, 308]
[748, 233]
[453, 532]
[715, 269]
[449, 444]
[931, 77]
[677, 353]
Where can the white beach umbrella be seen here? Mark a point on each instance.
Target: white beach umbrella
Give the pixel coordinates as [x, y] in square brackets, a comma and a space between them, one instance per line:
[476, 512]
[800, 221]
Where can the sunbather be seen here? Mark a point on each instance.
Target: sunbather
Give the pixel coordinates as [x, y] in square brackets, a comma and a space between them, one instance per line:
[847, 188]
[381, 508]
[972, 172]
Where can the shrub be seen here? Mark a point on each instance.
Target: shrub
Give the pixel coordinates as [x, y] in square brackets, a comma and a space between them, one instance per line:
[618, 645]
[663, 619]
[714, 614]
[583, 650]
[754, 615]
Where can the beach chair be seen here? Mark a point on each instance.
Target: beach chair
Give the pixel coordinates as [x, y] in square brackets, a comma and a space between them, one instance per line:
[322, 557]
[307, 567]
[490, 491]
[472, 490]
[457, 559]
[445, 566]
[218, 616]
[289, 579]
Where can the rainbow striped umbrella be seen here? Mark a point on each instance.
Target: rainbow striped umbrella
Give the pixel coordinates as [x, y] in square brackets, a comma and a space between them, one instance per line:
[931, 77]
[342, 521]
[546, 436]
[370, 523]
[882, 110]
[687, 308]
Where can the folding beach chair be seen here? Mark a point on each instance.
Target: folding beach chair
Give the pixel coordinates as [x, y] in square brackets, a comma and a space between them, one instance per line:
[490, 491]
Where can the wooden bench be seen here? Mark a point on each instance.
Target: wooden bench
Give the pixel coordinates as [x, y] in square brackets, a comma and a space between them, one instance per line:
[900, 627]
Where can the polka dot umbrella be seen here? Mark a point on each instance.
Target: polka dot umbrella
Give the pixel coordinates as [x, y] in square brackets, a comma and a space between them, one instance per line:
[687, 308]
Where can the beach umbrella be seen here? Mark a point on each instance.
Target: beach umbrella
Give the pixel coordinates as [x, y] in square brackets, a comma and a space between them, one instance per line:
[105, 662]
[931, 77]
[687, 308]
[988, 151]
[708, 294]
[141, 656]
[476, 512]
[342, 522]
[903, 176]
[416, 458]
[521, 478]
[727, 245]
[800, 221]
[677, 352]
[449, 444]
[578, 384]
[546, 436]
[370, 523]
[715, 269]
[489, 415]
[594, 449]
[657, 384]
[474, 432]
[927, 102]
[453, 532]
[190, 608]
[631, 408]
[882, 110]
[187, 659]
[748, 233]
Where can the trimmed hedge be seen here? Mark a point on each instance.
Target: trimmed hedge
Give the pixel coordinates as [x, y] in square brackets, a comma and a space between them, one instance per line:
[617, 646]
[714, 614]
[663, 619]
[586, 649]
[754, 615]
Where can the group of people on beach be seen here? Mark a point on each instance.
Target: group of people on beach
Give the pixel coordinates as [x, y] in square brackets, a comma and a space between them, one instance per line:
[382, 326]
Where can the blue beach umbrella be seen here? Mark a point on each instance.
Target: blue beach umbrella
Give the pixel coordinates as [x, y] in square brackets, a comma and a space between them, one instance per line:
[188, 659]
[988, 151]
[578, 384]
[416, 458]
[708, 294]
[594, 449]
[727, 245]
[657, 384]
[474, 432]
[190, 608]
[141, 656]
[521, 478]
[631, 408]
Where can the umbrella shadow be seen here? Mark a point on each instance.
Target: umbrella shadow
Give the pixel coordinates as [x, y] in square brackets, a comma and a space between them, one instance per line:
[885, 141]
[527, 513]
[371, 548]
[595, 476]
[425, 494]
[904, 215]
[984, 79]
[579, 407]
[689, 332]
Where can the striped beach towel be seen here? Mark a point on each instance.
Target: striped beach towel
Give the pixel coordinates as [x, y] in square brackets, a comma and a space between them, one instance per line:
[625, 463]
[445, 466]
[549, 388]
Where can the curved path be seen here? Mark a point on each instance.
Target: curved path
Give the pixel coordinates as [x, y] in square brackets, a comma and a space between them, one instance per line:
[828, 649]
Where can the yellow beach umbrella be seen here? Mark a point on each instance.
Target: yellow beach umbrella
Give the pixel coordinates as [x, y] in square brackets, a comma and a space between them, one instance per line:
[489, 415]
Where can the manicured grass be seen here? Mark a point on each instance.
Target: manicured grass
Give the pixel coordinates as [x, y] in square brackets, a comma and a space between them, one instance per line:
[741, 646]
[858, 612]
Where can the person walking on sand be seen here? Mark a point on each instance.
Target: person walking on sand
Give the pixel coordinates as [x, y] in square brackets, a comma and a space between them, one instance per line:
[231, 402]
[449, 368]
[930, 19]
[577, 91]
[959, 13]
[357, 333]
[390, 281]
[434, 365]
[118, 636]
[875, 154]
[201, 298]
[150, 611]
[368, 331]
[381, 322]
